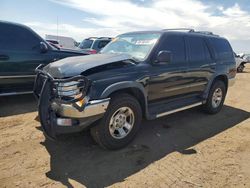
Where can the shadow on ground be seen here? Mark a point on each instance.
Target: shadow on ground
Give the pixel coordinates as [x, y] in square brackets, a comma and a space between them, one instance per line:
[17, 104]
[78, 158]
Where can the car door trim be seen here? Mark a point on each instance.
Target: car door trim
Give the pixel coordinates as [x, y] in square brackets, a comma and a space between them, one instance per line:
[186, 86]
[18, 76]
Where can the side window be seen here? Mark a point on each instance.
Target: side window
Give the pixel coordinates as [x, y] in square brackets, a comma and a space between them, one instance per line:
[103, 43]
[175, 44]
[222, 48]
[17, 38]
[198, 51]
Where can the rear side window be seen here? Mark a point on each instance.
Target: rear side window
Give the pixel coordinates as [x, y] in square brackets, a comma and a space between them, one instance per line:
[198, 51]
[14, 37]
[102, 43]
[87, 43]
[175, 44]
[222, 48]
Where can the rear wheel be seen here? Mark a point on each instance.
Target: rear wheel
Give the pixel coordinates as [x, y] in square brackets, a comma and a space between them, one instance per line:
[216, 98]
[120, 123]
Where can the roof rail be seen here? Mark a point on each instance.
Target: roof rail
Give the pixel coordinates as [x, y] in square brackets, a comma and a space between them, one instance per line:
[206, 33]
[180, 29]
[191, 31]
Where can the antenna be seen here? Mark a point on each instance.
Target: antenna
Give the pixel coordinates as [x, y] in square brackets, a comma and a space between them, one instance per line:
[57, 28]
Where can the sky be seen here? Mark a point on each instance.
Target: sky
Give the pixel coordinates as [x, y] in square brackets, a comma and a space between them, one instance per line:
[86, 18]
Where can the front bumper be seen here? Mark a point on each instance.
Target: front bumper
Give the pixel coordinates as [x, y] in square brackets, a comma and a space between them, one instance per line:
[92, 108]
[59, 115]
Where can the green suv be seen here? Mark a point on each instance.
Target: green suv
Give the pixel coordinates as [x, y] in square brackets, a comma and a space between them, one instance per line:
[21, 51]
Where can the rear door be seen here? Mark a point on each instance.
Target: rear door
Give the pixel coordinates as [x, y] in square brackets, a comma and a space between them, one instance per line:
[200, 63]
[19, 56]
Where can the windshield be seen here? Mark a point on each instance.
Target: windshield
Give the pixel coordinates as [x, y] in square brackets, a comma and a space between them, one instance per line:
[87, 43]
[137, 45]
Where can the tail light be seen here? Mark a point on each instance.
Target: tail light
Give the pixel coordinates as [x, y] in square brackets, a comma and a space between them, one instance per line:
[92, 51]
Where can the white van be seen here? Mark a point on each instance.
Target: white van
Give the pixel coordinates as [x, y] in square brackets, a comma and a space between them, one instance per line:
[63, 42]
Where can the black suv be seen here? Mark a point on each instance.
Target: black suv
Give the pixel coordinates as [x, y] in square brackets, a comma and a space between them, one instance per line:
[146, 74]
[21, 51]
[93, 45]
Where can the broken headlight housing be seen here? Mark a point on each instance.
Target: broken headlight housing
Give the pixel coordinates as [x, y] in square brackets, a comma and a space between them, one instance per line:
[70, 89]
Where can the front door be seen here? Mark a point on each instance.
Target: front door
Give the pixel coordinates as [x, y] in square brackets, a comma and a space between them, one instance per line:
[169, 80]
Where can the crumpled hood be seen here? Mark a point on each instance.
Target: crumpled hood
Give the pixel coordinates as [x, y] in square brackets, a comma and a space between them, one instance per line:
[72, 66]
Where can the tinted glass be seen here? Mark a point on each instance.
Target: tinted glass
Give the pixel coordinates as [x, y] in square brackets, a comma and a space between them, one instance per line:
[222, 48]
[175, 44]
[86, 44]
[17, 38]
[197, 50]
[102, 43]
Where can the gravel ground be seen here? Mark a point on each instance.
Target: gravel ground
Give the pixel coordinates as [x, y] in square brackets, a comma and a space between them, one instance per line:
[186, 149]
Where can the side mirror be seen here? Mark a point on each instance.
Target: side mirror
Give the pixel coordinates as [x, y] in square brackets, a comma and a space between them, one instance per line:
[43, 47]
[164, 57]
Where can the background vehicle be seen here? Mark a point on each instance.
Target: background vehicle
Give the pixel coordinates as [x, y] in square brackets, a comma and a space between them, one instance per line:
[54, 43]
[241, 60]
[94, 44]
[140, 74]
[63, 42]
[21, 51]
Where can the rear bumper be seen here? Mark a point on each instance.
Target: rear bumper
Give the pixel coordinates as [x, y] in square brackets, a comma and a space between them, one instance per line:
[231, 82]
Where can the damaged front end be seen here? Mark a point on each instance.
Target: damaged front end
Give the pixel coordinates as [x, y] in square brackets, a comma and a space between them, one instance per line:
[64, 105]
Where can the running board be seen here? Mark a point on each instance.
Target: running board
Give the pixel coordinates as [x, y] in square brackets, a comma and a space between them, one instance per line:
[179, 109]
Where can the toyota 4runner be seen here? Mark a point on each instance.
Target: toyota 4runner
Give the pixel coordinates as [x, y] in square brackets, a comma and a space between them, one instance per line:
[146, 74]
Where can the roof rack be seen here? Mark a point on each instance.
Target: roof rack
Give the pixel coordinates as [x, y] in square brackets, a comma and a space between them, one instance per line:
[180, 29]
[206, 33]
[191, 31]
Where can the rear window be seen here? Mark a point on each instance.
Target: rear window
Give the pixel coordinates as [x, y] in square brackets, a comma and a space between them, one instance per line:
[222, 48]
[87, 43]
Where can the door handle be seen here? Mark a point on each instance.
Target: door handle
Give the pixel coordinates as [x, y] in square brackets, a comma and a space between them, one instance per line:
[4, 57]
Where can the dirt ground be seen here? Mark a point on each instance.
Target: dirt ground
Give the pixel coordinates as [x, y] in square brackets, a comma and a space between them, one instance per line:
[186, 149]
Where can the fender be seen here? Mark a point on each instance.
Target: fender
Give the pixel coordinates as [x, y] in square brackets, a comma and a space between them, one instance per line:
[206, 92]
[125, 85]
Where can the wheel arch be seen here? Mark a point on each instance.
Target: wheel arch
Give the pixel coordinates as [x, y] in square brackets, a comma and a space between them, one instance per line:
[221, 77]
[132, 88]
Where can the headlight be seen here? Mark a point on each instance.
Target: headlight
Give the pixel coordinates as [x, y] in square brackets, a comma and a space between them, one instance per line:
[72, 90]
[68, 89]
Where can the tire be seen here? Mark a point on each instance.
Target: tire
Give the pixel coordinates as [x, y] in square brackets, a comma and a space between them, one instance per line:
[217, 87]
[106, 134]
[240, 68]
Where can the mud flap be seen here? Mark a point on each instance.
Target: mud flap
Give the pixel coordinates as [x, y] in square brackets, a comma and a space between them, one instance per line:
[46, 115]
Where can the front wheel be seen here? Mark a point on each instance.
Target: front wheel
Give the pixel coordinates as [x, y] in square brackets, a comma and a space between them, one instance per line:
[216, 98]
[120, 123]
